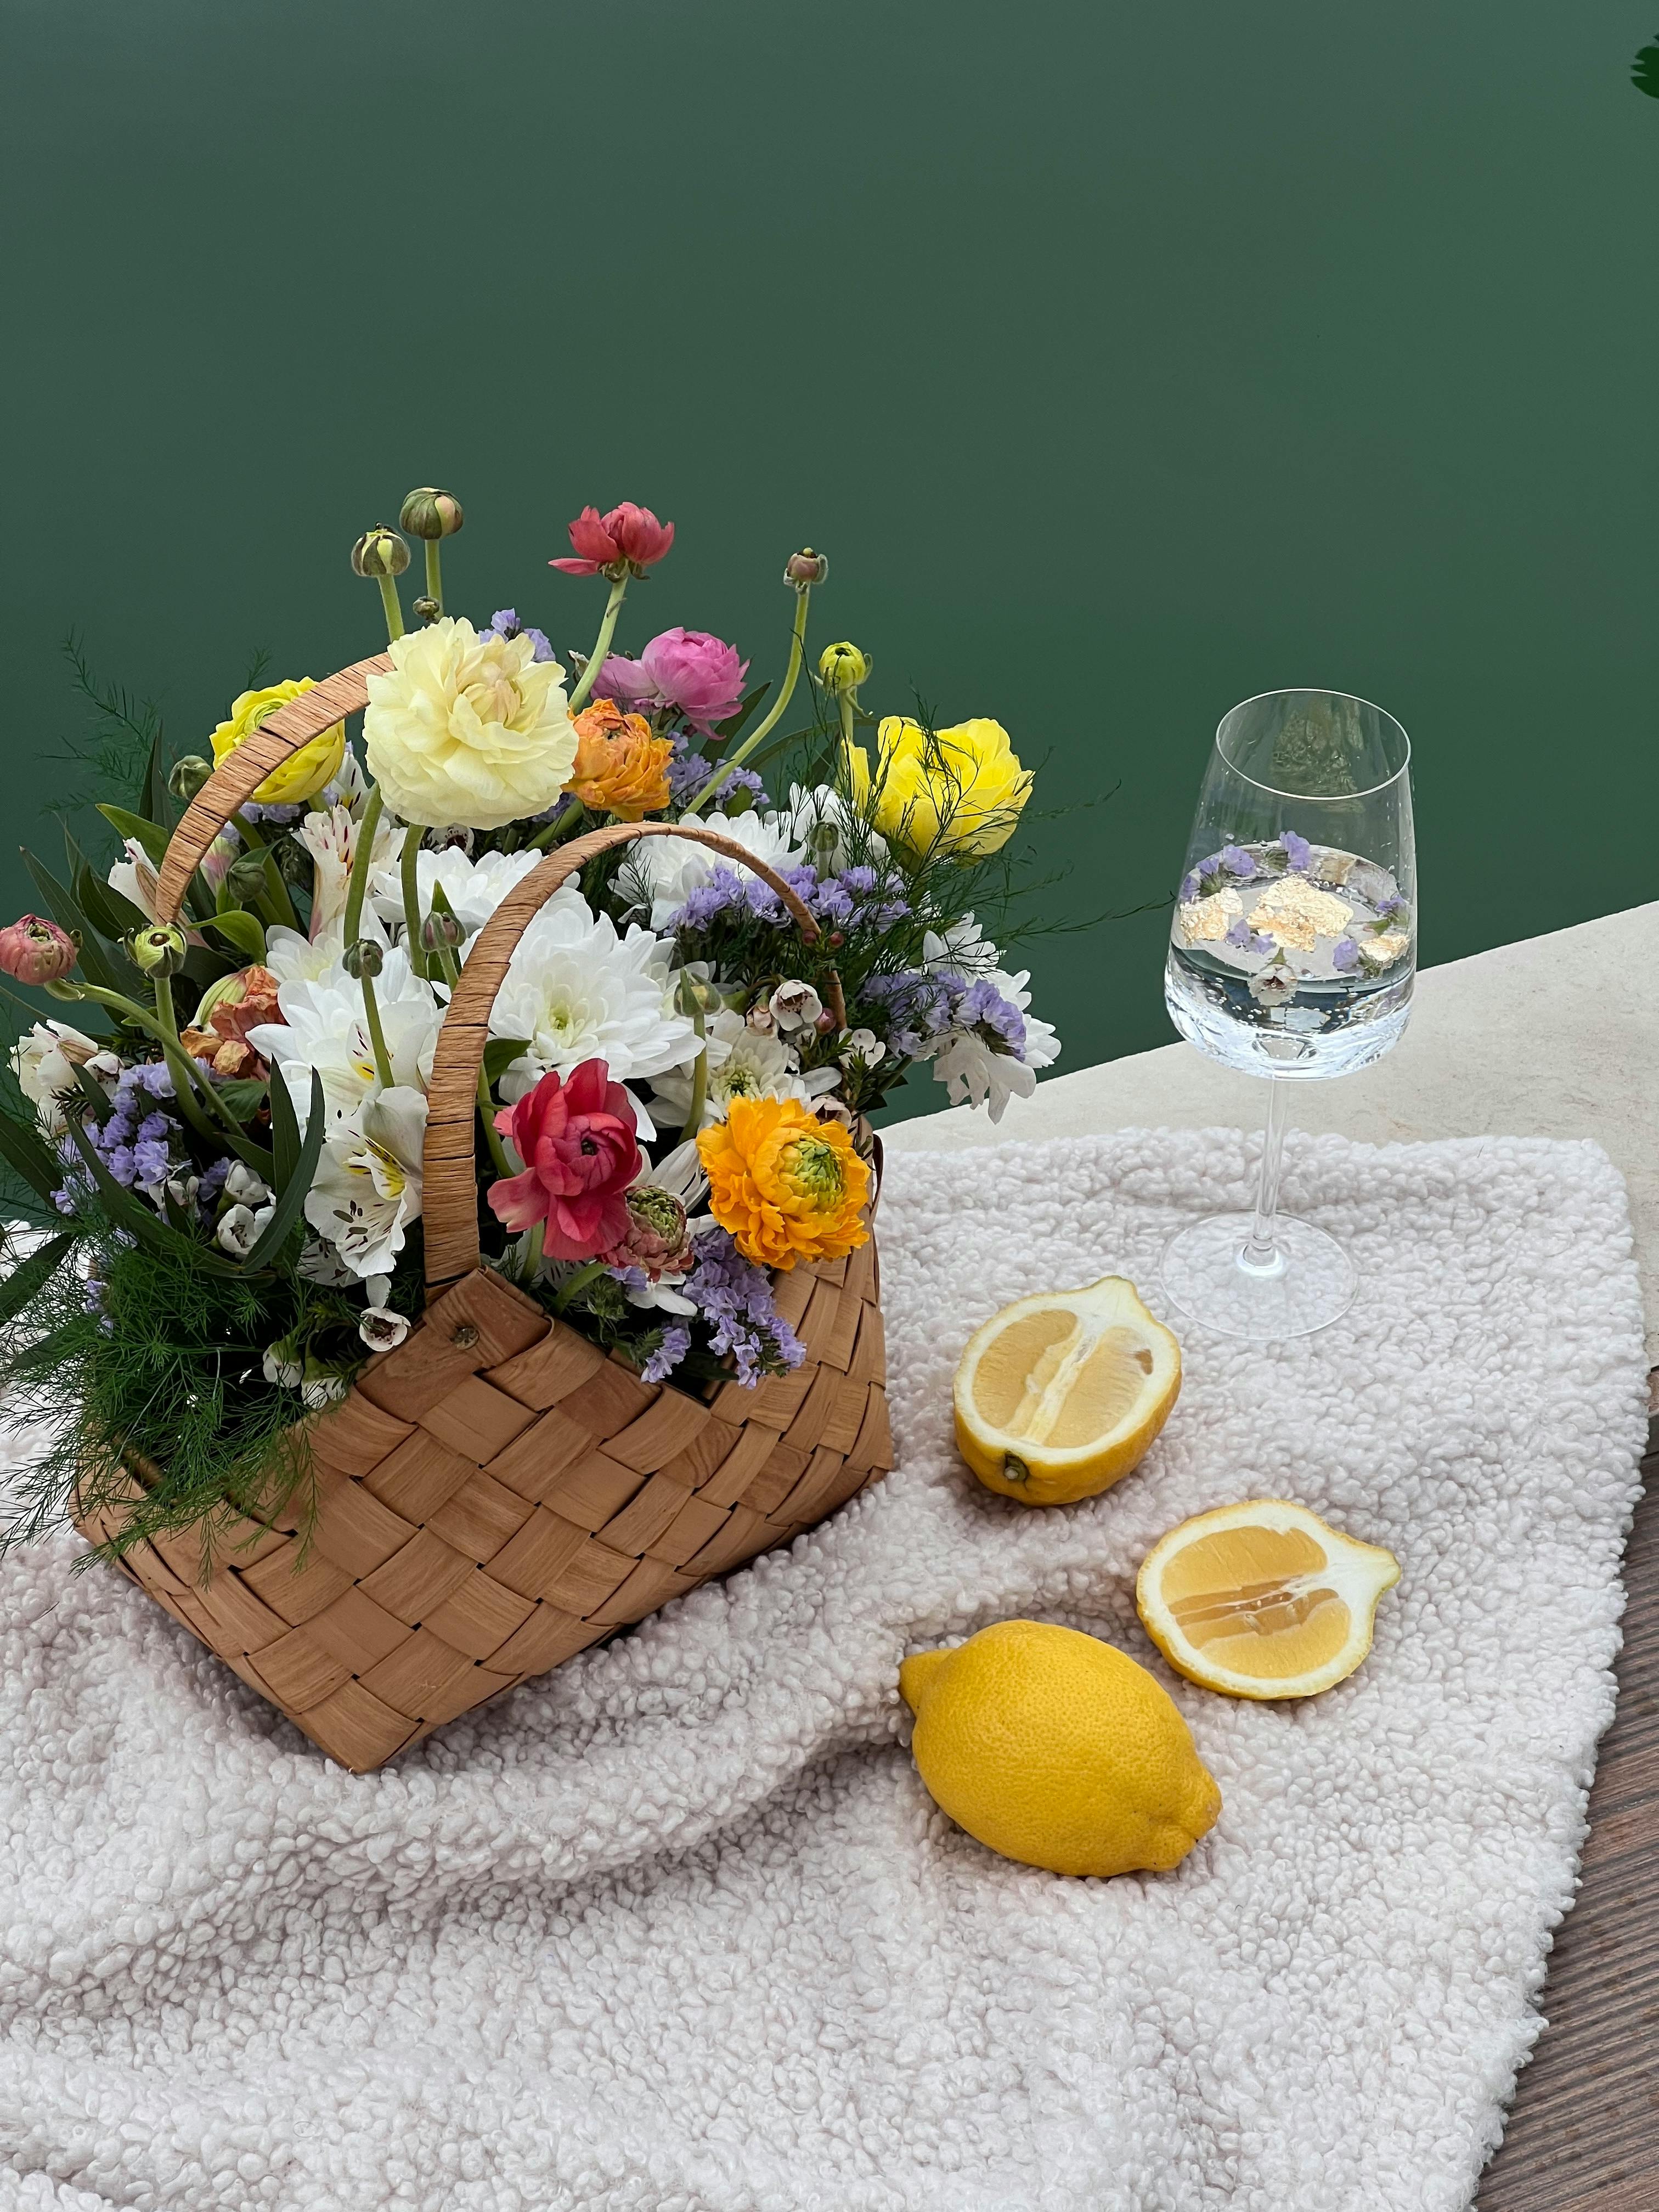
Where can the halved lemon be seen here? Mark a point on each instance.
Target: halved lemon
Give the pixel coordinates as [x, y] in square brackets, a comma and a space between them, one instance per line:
[1059, 1395]
[1263, 1599]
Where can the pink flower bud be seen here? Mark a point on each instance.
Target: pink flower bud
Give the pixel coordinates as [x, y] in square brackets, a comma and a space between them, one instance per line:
[626, 542]
[805, 568]
[36, 952]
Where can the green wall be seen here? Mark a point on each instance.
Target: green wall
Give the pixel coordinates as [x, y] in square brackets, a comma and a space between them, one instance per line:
[1126, 360]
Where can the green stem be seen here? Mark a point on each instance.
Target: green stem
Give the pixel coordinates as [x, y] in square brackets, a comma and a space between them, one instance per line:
[394, 613]
[579, 1281]
[845, 703]
[376, 1034]
[435, 583]
[359, 866]
[551, 832]
[410, 875]
[533, 1249]
[797, 647]
[279, 905]
[700, 1072]
[589, 675]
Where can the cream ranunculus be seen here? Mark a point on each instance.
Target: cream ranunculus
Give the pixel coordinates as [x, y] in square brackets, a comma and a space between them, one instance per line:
[948, 791]
[468, 729]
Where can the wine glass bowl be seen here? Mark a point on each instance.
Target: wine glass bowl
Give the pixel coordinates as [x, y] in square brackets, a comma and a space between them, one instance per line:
[1292, 951]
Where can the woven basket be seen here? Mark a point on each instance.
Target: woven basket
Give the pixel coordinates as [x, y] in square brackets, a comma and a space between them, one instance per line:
[497, 1494]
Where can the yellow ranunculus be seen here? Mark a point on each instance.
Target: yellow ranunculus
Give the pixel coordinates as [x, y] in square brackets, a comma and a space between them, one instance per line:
[468, 730]
[948, 791]
[305, 772]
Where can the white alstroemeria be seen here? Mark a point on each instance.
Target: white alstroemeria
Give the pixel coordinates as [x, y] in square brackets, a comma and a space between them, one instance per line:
[241, 1227]
[135, 880]
[324, 1026]
[744, 1062]
[975, 1071]
[45, 1062]
[963, 950]
[243, 1186]
[350, 786]
[662, 873]
[219, 858]
[367, 1189]
[474, 888]
[329, 835]
[321, 1263]
[821, 823]
[576, 990]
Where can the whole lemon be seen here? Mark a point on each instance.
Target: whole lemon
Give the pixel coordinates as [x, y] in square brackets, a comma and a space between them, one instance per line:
[1052, 1748]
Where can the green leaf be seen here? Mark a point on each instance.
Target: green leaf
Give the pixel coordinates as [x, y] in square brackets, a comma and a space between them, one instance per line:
[149, 835]
[750, 701]
[94, 1097]
[96, 961]
[102, 905]
[241, 1094]
[33, 1274]
[499, 1054]
[28, 1151]
[286, 1209]
[1644, 72]
[239, 929]
[285, 1146]
[154, 798]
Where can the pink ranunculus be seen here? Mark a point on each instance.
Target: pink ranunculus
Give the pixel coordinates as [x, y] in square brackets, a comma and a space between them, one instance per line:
[35, 950]
[625, 684]
[576, 1137]
[626, 542]
[700, 675]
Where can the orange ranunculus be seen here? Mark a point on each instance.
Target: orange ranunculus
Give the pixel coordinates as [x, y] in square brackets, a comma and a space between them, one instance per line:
[620, 767]
[786, 1186]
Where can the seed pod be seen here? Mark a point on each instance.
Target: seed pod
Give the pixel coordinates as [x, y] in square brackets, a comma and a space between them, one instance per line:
[441, 931]
[380, 552]
[245, 880]
[363, 958]
[805, 568]
[429, 512]
[158, 950]
[187, 776]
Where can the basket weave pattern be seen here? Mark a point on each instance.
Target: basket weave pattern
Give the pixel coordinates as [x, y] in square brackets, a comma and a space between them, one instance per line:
[497, 1494]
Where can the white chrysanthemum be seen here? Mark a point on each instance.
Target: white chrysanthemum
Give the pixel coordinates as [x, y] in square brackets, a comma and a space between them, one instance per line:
[574, 990]
[963, 950]
[662, 873]
[743, 1063]
[293, 957]
[974, 1072]
[474, 888]
[367, 1189]
[823, 808]
[324, 1026]
[468, 729]
[329, 835]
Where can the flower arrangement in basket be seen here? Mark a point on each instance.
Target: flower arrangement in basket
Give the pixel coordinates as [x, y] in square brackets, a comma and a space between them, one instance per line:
[458, 1171]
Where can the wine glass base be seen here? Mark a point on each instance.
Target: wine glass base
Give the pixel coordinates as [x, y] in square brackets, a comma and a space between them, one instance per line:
[1310, 1283]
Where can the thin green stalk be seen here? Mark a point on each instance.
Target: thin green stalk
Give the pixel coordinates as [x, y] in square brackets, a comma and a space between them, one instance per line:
[435, 583]
[589, 675]
[360, 865]
[797, 647]
[533, 1249]
[579, 1281]
[394, 613]
[279, 905]
[700, 1072]
[376, 1034]
[551, 832]
[410, 878]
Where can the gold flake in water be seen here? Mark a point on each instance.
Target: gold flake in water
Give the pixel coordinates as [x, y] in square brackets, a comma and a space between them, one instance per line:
[1205, 921]
[1292, 910]
[1383, 950]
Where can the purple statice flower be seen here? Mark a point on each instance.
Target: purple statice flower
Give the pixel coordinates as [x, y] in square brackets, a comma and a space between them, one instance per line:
[675, 1343]
[1243, 939]
[1393, 909]
[150, 1162]
[735, 1299]
[1299, 852]
[279, 815]
[998, 1021]
[724, 889]
[1190, 888]
[688, 772]
[915, 1007]
[1344, 955]
[859, 881]
[1236, 862]
[154, 1077]
[212, 1182]
[505, 622]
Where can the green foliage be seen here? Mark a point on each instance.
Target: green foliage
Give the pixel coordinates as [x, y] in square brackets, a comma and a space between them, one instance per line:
[1644, 71]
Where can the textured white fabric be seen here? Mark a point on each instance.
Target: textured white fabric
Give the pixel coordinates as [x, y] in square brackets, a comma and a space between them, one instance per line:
[678, 1929]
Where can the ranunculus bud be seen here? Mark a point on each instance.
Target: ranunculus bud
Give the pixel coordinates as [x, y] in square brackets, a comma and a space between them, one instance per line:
[380, 552]
[36, 951]
[158, 950]
[363, 958]
[440, 931]
[429, 513]
[187, 776]
[245, 880]
[843, 668]
[805, 568]
[428, 611]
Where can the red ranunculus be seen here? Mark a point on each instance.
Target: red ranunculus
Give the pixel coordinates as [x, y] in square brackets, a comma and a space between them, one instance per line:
[576, 1137]
[629, 540]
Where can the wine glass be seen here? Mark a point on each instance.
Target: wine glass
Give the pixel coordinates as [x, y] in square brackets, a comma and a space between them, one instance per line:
[1292, 954]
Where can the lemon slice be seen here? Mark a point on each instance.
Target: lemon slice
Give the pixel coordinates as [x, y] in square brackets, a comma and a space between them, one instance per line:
[1059, 1395]
[1262, 1600]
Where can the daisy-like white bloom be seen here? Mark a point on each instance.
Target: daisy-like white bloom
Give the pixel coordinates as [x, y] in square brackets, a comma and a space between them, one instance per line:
[963, 950]
[474, 888]
[820, 822]
[323, 1027]
[743, 1063]
[293, 957]
[367, 1189]
[329, 835]
[576, 990]
[662, 873]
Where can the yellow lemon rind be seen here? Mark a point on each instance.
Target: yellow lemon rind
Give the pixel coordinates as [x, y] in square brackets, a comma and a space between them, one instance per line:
[1363, 1572]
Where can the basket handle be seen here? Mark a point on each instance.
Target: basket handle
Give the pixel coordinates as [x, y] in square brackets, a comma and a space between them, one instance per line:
[450, 1200]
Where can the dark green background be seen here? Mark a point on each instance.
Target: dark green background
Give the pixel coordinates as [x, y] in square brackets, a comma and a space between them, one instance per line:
[1127, 360]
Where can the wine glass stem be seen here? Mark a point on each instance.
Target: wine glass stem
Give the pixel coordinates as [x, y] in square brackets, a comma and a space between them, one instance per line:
[1261, 1252]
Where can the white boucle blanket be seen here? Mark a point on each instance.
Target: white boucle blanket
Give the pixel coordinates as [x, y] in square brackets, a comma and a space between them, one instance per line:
[678, 1929]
